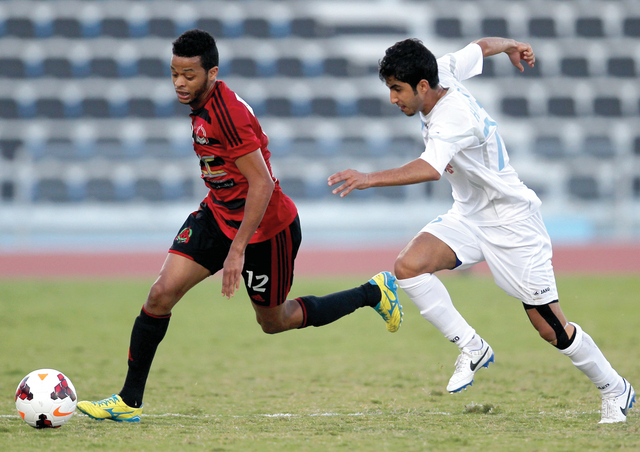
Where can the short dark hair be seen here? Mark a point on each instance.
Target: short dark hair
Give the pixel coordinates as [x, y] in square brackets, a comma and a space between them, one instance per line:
[194, 43]
[409, 61]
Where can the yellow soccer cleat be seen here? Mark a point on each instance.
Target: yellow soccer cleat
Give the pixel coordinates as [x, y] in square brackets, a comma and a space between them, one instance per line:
[389, 307]
[112, 408]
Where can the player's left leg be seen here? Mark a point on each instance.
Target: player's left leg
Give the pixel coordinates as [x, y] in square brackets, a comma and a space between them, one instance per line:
[569, 338]
[268, 276]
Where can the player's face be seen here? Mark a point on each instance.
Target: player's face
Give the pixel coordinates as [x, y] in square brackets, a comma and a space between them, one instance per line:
[403, 95]
[191, 82]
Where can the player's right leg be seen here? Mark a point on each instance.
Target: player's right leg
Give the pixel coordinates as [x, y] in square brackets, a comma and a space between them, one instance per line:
[178, 275]
[415, 266]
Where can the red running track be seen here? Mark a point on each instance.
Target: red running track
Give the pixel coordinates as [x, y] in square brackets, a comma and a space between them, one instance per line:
[594, 259]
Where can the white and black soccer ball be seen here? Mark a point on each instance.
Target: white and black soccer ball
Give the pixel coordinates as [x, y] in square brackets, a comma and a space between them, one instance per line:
[46, 398]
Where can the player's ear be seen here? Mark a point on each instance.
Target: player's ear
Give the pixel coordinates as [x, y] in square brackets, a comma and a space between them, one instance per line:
[423, 86]
[213, 73]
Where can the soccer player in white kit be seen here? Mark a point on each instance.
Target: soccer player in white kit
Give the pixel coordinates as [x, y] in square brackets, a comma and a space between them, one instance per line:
[494, 218]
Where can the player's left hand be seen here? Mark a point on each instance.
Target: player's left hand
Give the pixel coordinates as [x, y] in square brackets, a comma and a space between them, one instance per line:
[232, 273]
[352, 180]
[521, 51]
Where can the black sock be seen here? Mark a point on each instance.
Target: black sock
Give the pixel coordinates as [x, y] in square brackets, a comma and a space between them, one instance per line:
[320, 311]
[148, 331]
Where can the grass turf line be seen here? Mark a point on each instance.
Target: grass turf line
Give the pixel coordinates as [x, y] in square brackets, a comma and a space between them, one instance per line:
[219, 383]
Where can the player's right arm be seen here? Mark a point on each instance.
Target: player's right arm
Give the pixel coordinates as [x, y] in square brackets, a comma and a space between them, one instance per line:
[413, 172]
[517, 51]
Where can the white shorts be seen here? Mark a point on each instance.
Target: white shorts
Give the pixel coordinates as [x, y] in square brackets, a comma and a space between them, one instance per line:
[518, 254]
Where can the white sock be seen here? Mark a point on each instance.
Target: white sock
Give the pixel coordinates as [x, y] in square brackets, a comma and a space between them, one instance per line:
[586, 356]
[432, 299]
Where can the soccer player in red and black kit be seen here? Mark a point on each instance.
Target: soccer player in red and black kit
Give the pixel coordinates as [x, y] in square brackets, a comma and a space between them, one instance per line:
[246, 227]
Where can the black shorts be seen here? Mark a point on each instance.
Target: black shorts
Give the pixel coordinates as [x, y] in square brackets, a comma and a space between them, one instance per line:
[268, 265]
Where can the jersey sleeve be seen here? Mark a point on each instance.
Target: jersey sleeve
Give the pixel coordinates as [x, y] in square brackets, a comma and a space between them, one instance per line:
[445, 140]
[238, 134]
[463, 64]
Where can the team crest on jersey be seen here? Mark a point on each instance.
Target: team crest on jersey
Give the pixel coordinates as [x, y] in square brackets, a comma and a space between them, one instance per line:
[200, 135]
[184, 235]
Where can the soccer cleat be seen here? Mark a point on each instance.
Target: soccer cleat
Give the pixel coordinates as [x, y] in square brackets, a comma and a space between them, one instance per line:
[467, 364]
[389, 307]
[615, 409]
[112, 408]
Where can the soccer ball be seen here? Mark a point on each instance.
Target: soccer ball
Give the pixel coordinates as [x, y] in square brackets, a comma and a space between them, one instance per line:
[46, 398]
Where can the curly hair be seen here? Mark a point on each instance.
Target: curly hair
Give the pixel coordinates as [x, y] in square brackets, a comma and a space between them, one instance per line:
[194, 43]
[409, 61]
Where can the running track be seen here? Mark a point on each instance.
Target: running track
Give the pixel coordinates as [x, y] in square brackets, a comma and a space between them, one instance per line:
[594, 259]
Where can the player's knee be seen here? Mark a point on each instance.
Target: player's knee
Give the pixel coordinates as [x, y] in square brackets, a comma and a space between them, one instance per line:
[271, 326]
[160, 299]
[405, 268]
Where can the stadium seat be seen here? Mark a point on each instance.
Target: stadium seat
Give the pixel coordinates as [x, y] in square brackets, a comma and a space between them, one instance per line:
[95, 107]
[324, 106]
[9, 148]
[354, 146]
[290, 67]
[49, 108]
[607, 106]
[245, 67]
[8, 108]
[278, 106]
[589, 27]
[7, 191]
[51, 190]
[495, 26]
[20, 28]
[162, 28]
[375, 107]
[153, 67]
[636, 145]
[142, 107]
[542, 27]
[67, 27]
[561, 106]
[211, 25]
[515, 106]
[294, 187]
[583, 187]
[115, 28]
[448, 27]
[599, 146]
[100, 189]
[621, 67]
[57, 67]
[257, 28]
[631, 27]
[12, 68]
[574, 67]
[551, 147]
[148, 189]
[104, 67]
[336, 66]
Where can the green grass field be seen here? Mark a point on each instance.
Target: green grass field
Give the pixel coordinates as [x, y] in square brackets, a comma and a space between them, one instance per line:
[219, 384]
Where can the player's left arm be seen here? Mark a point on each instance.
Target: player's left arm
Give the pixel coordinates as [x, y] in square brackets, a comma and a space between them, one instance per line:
[261, 185]
[515, 50]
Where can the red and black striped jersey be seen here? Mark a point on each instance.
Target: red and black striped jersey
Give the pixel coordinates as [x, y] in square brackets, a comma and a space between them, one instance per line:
[224, 129]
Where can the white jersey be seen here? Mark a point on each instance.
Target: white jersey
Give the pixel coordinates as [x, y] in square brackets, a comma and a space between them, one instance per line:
[462, 142]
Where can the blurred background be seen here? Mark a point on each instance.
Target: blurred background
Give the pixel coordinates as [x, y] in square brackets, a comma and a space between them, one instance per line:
[95, 151]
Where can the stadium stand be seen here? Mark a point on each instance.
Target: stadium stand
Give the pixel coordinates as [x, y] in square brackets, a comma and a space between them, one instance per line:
[86, 84]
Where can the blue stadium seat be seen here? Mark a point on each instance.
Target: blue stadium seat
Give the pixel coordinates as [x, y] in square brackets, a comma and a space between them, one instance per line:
[148, 189]
[95, 107]
[515, 106]
[101, 190]
[20, 28]
[50, 108]
[574, 67]
[51, 190]
[57, 67]
[449, 27]
[163, 28]
[631, 27]
[115, 28]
